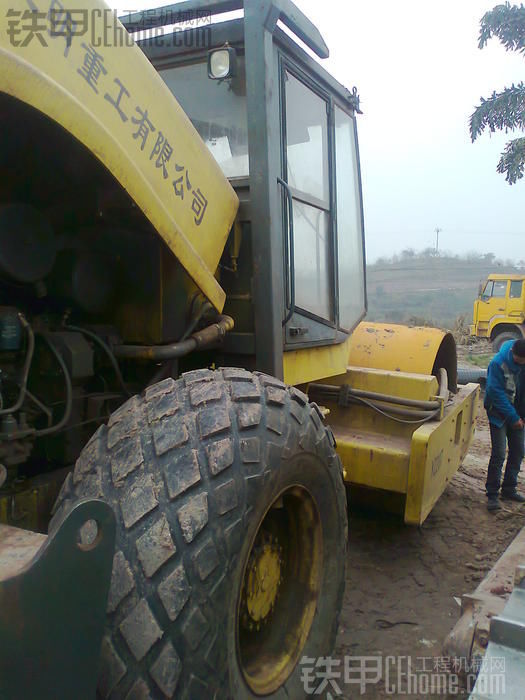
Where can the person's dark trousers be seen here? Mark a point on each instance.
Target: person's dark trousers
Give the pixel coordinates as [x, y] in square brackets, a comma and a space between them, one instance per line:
[499, 438]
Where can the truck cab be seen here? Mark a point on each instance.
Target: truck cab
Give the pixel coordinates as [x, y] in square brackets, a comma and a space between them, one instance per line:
[499, 310]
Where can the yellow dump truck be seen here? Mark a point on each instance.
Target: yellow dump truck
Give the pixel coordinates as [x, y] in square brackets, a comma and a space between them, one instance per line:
[183, 357]
[499, 310]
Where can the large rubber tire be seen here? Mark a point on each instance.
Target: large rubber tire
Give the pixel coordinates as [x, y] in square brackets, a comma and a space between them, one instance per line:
[191, 468]
[503, 337]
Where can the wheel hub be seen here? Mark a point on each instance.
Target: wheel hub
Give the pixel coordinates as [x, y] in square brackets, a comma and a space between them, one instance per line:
[262, 583]
[280, 591]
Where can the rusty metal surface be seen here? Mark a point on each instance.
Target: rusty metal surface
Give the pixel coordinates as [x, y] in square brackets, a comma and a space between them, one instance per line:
[470, 636]
[17, 548]
[52, 613]
[404, 349]
[27, 504]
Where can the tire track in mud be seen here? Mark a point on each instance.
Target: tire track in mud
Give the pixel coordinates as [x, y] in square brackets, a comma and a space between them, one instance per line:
[413, 575]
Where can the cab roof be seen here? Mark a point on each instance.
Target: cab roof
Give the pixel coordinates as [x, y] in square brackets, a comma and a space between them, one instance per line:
[499, 276]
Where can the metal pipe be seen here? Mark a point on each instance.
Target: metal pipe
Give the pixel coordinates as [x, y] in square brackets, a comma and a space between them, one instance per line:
[31, 432]
[69, 393]
[27, 366]
[397, 400]
[397, 410]
[384, 398]
[406, 409]
[443, 384]
[169, 368]
[161, 353]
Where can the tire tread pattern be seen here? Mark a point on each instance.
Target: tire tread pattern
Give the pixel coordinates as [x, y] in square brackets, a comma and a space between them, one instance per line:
[167, 463]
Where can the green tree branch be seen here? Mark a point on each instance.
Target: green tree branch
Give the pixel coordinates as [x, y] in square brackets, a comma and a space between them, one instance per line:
[507, 23]
[504, 111]
[512, 161]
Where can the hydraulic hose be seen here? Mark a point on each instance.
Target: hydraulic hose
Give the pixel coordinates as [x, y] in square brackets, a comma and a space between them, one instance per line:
[160, 353]
[399, 401]
[421, 416]
[31, 432]
[69, 393]
[27, 366]
[396, 408]
[193, 325]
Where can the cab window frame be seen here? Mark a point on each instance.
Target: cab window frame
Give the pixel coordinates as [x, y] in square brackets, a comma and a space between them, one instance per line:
[486, 294]
[288, 65]
[501, 286]
[519, 285]
[339, 104]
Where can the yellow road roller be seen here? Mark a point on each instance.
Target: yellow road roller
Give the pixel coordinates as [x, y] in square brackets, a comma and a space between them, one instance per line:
[186, 379]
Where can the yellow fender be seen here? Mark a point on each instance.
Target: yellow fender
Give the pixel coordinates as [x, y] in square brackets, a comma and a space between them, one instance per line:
[418, 350]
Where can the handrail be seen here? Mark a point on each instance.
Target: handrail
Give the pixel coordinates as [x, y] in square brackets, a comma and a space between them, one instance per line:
[289, 252]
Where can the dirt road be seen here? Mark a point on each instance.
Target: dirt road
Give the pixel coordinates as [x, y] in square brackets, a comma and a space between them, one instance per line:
[402, 581]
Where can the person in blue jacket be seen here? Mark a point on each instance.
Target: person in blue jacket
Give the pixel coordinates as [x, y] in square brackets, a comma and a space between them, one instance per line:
[505, 406]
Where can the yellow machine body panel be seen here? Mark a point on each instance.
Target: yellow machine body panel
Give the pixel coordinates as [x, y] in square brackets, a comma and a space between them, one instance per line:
[377, 346]
[313, 364]
[501, 302]
[437, 450]
[413, 460]
[396, 348]
[107, 95]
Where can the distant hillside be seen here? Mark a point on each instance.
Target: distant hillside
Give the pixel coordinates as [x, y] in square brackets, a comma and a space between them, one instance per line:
[424, 287]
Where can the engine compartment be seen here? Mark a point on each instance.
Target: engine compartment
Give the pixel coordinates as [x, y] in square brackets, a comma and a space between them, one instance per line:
[81, 271]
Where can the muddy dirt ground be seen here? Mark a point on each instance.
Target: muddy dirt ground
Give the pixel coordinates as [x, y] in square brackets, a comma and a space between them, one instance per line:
[402, 581]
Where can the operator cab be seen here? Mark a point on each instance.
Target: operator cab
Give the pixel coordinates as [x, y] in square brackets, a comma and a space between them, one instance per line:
[284, 133]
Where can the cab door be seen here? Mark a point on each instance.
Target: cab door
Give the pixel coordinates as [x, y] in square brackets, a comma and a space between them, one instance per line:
[515, 300]
[309, 241]
[493, 300]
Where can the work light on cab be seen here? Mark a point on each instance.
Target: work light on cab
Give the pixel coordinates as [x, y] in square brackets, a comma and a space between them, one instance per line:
[222, 63]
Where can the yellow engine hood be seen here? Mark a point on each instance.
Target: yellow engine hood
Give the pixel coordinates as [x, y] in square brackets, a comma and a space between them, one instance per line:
[104, 91]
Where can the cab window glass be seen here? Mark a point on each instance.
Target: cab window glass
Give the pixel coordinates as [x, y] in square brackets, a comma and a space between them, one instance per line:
[217, 110]
[487, 292]
[515, 289]
[500, 288]
[349, 231]
[307, 140]
[307, 171]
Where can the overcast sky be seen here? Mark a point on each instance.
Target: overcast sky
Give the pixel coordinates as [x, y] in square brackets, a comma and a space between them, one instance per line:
[420, 74]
